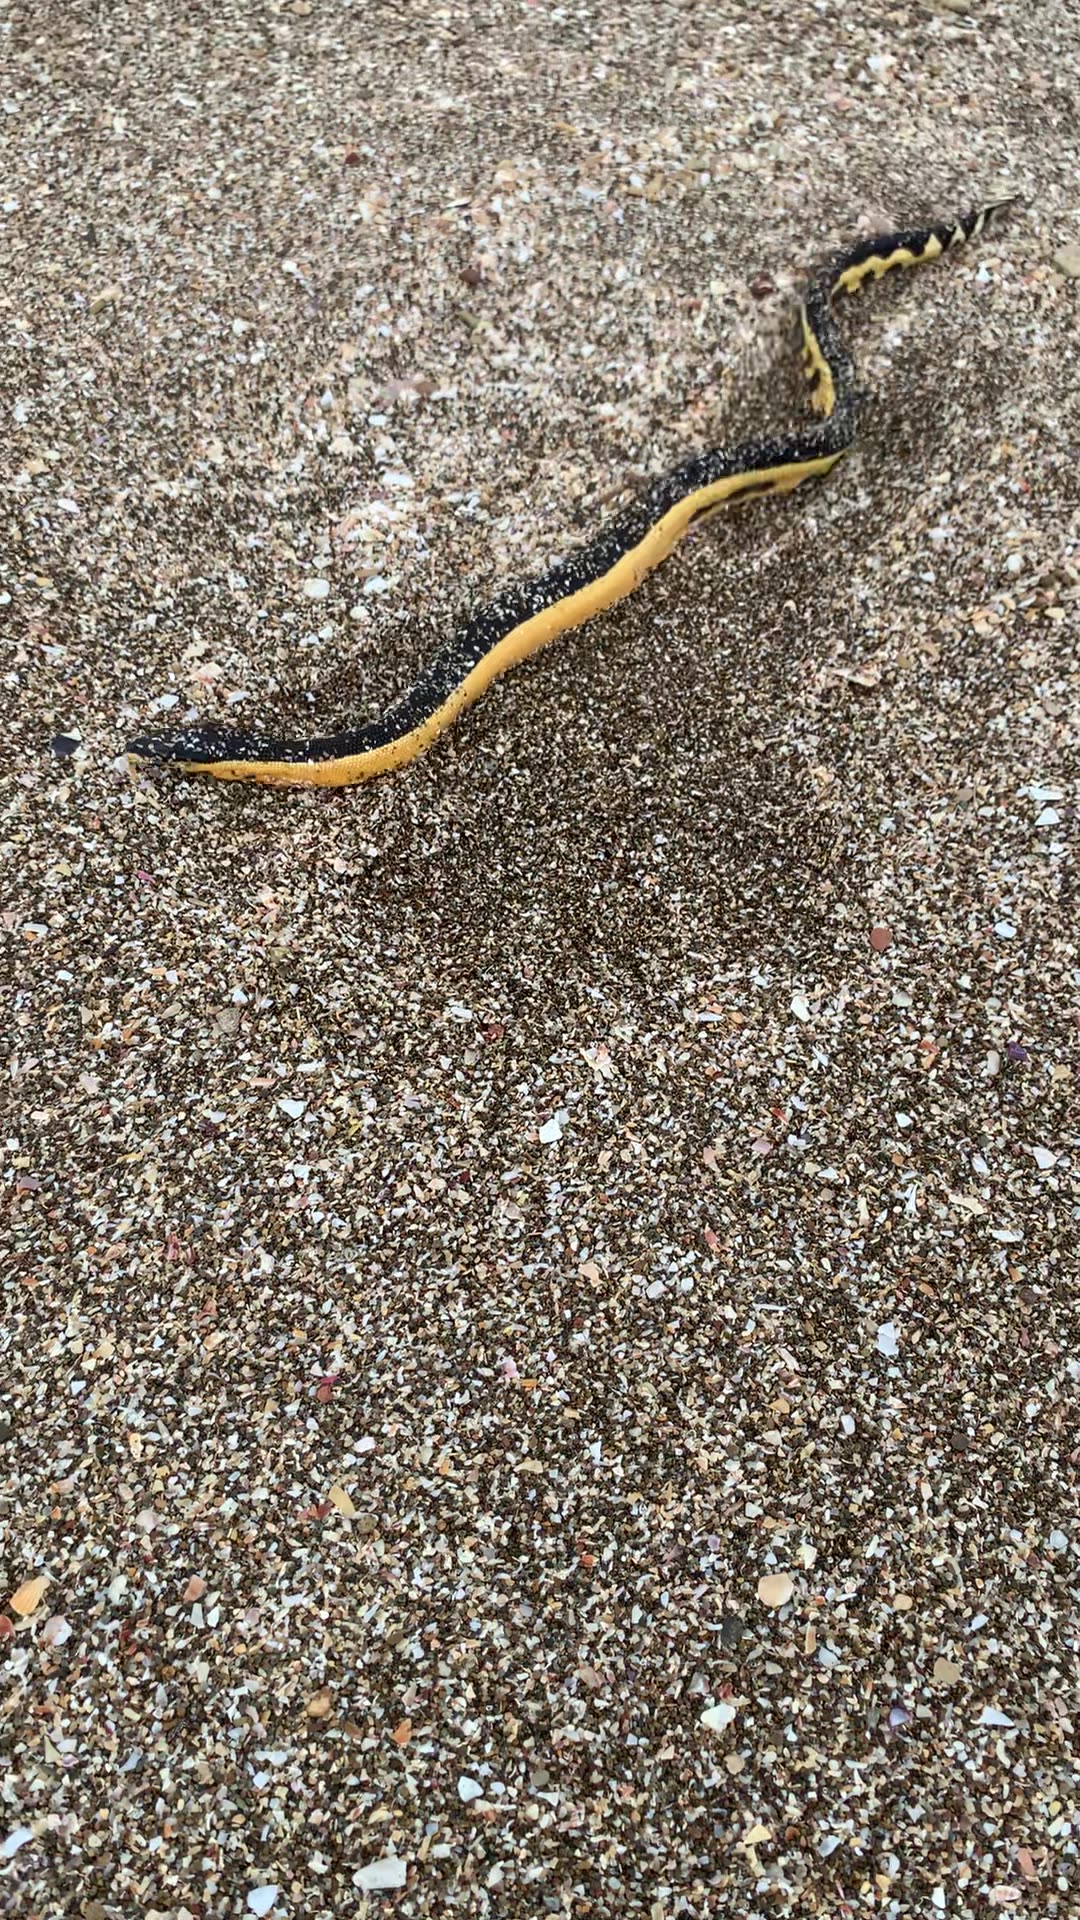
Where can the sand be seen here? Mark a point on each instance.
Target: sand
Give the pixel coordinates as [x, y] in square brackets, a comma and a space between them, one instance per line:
[540, 1349]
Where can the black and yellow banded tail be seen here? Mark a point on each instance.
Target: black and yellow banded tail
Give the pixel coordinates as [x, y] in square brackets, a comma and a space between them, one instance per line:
[528, 616]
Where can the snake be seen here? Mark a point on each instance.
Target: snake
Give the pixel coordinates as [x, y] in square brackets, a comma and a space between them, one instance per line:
[598, 574]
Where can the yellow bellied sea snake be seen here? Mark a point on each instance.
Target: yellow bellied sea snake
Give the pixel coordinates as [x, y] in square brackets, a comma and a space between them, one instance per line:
[596, 576]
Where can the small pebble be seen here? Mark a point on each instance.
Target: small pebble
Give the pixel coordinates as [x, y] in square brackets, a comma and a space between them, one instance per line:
[733, 1628]
[382, 1876]
[718, 1717]
[27, 1598]
[775, 1589]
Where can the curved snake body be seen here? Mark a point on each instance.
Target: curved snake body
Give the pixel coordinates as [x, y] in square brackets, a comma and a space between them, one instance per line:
[527, 616]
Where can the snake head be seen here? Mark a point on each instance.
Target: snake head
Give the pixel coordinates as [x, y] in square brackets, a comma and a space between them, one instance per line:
[191, 746]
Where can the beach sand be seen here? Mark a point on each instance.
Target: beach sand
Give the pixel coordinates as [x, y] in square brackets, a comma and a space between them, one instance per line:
[580, 1236]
